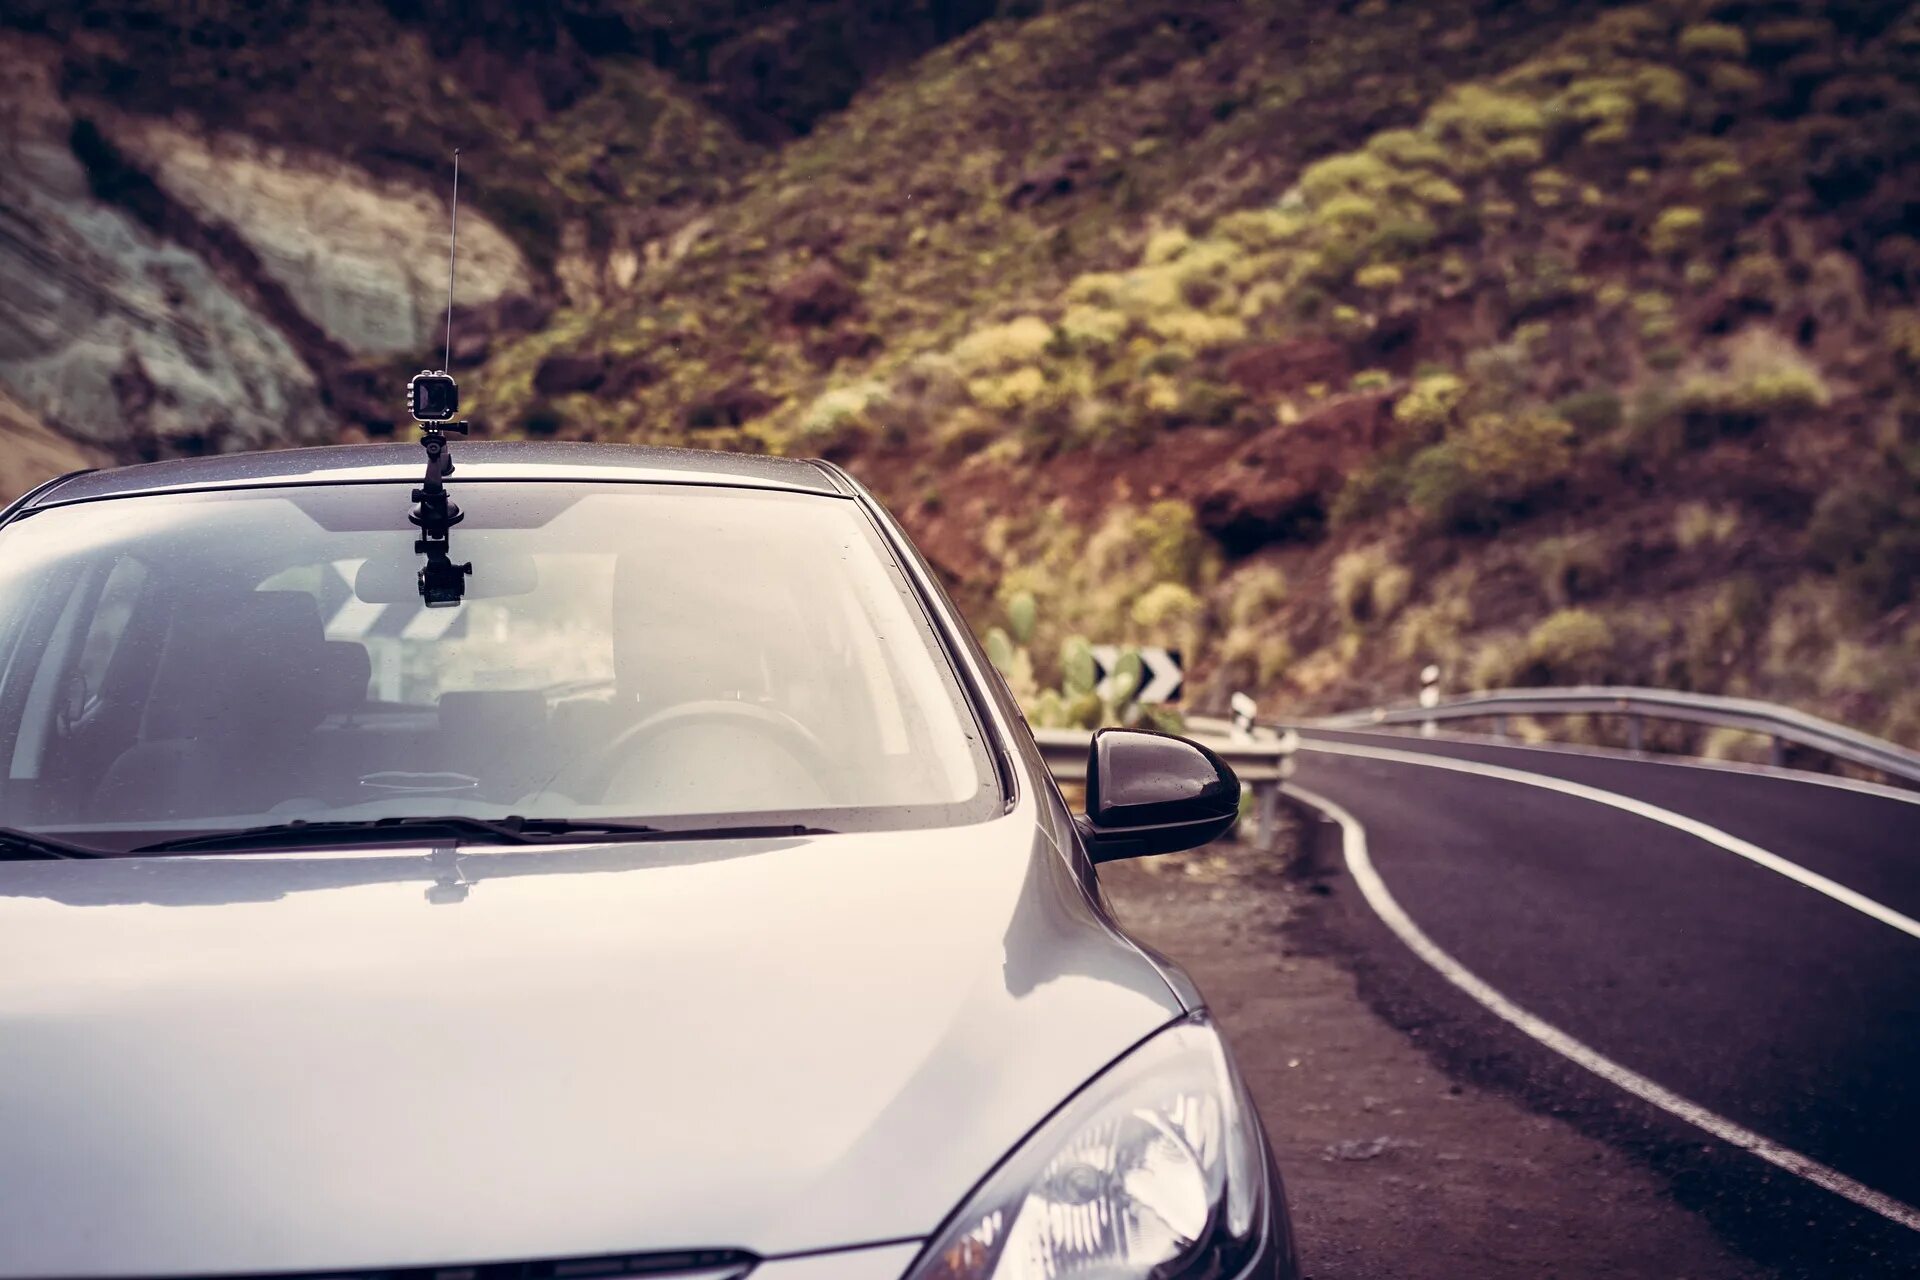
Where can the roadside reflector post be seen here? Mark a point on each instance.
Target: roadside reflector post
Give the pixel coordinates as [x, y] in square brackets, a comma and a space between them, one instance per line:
[1429, 696]
[1244, 709]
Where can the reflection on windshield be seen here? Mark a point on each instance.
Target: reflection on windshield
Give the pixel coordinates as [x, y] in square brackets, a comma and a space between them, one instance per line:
[204, 662]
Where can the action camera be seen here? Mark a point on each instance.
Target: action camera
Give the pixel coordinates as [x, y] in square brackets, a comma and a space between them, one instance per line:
[433, 396]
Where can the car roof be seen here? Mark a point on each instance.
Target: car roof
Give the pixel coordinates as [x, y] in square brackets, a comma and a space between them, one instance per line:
[477, 460]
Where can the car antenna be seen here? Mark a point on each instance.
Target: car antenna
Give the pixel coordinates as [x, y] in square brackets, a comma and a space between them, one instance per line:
[433, 397]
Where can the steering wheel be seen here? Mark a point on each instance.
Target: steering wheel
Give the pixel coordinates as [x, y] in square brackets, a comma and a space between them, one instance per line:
[777, 726]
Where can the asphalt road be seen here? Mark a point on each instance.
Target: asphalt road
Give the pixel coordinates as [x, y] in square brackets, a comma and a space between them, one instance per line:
[1748, 954]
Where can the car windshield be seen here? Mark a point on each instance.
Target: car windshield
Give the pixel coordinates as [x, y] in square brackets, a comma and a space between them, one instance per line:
[645, 653]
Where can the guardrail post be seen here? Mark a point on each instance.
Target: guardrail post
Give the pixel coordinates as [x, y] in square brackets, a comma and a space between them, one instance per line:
[1635, 726]
[1266, 800]
[1779, 751]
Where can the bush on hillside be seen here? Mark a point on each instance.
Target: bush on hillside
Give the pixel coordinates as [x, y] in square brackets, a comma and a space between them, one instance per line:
[1676, 230]
[1489, 468]
[1254, 593]
[1572, 646]
[1867, 533]
[1763, 377]
[1592, 413]
[1003, 346]
[1430, 402]
[1369, 586]
[1713, 40]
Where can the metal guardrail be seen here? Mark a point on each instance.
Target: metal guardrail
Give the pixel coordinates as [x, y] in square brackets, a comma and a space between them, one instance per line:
[1782, 724]
[1262, 760]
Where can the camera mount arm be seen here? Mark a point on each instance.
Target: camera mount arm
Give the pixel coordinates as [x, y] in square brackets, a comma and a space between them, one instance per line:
[442, 582]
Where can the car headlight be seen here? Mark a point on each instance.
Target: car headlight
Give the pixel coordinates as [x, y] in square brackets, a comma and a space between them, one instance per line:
[1152, 1172]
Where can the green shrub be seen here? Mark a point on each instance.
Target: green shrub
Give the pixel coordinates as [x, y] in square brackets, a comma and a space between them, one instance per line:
[1759, 278]
[1549, 188]
[1436, 191]
[1572, 568]
[1593, 412]
[1209, 403]
[1092, 329]
[1572, 646]
[1430, 402]
[1165, 245]
[1661, 88]
[1406, 149]
[1489, 467]
[1021, 389]
[1718, 179]
[1713, 40]
[1481, 113]
[1348, 209]
[1698, 524]
[1369, 586]
[1903, 338]
[1352, 171]
[1096, 288]
[1499, 662]
[1400, 237]
[1378, 275]
[1765, 377]
[1198, 331]
[1023, 614]
[1002, 346]
[1261, 229]
[1167, 611]
[1254, 593]
[1368, 492]
[836, 412]
[1676, 230]
[1514, 153]
[1867, 533]
[1431, 632]
[1370, 380]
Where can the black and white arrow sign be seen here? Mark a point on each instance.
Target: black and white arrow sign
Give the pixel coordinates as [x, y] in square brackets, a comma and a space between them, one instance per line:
[1160, 672]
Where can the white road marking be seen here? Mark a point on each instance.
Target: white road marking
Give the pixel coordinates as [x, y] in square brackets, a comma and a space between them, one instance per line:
[1678, 821]
[1374, 889]
[1781, 772]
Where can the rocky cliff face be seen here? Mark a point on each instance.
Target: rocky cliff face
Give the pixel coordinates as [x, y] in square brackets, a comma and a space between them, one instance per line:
[364, 259]
[109, 333]
[169, 289]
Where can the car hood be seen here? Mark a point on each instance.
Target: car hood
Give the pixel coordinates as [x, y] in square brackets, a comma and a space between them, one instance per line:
[299, 1062]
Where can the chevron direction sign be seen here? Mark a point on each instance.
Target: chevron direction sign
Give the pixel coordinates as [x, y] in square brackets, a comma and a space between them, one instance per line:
[1160, 672]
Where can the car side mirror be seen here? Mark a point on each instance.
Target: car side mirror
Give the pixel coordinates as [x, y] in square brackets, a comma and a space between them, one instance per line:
[1154, 793]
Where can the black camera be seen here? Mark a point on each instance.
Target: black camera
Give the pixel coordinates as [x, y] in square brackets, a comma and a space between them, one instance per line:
[442, 582]
[433, 396]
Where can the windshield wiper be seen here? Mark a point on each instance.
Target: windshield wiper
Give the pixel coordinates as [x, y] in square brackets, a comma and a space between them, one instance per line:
[23, 845]
[461, 829]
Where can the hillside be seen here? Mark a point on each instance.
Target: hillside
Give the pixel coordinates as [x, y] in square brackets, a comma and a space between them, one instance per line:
[1546, 342]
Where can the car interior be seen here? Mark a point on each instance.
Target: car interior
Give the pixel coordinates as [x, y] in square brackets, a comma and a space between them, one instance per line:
[620, 682]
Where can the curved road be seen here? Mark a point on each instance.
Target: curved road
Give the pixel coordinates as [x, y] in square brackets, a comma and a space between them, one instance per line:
[1691, 960]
